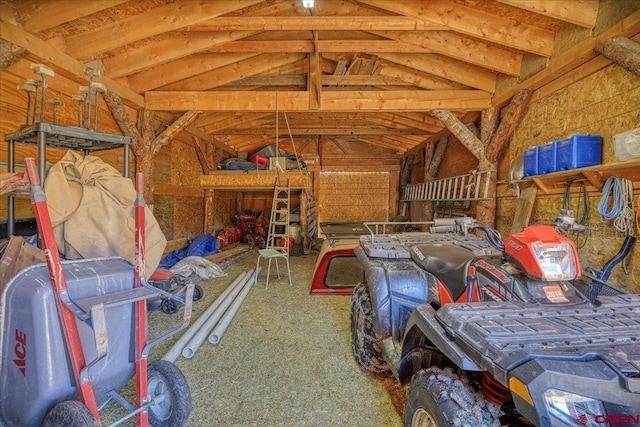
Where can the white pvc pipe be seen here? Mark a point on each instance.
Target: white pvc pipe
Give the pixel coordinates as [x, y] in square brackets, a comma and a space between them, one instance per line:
[221, 327]
[192, 346]
[176, 349]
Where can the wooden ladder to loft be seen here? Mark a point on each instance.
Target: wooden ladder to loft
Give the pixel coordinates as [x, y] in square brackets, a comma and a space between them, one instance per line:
[279, 221]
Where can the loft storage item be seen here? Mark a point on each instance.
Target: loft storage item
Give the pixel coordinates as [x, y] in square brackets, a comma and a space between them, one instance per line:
[253, 180]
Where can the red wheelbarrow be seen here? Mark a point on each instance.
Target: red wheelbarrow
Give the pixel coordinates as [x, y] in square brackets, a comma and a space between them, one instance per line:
[73, 333]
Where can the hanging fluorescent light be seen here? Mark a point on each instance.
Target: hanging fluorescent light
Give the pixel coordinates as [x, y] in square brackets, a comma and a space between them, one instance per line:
[307, 3]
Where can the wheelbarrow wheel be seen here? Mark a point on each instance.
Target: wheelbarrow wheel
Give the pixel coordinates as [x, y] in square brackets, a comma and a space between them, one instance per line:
[70, 413]
[169, 306]
[170, 392]
[198, 293]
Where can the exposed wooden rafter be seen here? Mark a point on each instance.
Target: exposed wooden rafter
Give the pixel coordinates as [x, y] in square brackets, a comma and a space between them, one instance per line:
[578, 12]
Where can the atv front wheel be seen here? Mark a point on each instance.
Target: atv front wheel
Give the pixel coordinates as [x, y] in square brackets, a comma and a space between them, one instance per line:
[439, 398]
[363, 339]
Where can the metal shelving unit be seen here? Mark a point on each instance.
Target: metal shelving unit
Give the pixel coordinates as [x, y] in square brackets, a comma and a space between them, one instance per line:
[58, 136]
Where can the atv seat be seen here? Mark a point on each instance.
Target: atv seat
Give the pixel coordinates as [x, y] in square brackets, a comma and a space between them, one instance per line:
[448, 263]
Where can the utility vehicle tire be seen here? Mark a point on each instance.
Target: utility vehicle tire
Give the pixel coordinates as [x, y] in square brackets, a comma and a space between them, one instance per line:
[70, 413]
[170, 388]
[439, 398]
[365, 346]
[198, 293]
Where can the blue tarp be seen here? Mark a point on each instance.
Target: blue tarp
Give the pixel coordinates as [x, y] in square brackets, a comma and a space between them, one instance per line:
[202, 245]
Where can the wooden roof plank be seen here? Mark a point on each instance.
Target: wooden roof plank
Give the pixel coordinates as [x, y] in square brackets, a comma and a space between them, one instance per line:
[449, 69]
[461, 48]
[251, 119]
[169, 17]
[578, 12]
[177, 45]
[39, 15]
[182, 69]
[474, 22]
[237, 70]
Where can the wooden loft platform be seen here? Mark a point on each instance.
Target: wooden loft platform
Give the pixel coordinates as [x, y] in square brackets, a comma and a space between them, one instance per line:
[254, 180]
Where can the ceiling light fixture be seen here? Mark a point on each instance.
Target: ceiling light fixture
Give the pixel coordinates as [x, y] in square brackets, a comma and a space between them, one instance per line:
[307, 3]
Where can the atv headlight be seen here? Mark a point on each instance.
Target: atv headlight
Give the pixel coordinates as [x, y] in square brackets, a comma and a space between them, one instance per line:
[555, 260]
[574, 409]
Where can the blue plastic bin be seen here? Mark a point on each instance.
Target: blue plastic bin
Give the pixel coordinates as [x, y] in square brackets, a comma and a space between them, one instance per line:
[531, 161]
[578, 151]
[547, 158]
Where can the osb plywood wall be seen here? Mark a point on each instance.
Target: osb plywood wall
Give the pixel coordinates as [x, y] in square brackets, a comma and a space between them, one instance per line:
[605, 103]
[353, 196]
[179, 212]
[224, 207]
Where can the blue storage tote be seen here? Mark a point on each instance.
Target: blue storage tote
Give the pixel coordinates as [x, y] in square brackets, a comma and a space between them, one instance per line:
[531, 161]
[547, 158]
[578, 151]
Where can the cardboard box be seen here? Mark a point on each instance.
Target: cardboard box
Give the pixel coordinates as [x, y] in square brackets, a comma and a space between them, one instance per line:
[285, 163]
[17, 256]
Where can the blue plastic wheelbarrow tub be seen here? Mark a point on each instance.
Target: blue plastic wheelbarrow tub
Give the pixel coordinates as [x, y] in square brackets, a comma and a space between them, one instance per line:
[35, 372]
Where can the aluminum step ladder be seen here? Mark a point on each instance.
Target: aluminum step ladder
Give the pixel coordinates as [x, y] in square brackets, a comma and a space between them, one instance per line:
[279, 221]
[278, 231]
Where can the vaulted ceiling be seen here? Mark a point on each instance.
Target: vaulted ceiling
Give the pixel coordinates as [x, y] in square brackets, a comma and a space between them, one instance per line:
[367, 70]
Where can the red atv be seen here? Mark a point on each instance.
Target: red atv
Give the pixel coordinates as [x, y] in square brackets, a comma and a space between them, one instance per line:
[492, 332]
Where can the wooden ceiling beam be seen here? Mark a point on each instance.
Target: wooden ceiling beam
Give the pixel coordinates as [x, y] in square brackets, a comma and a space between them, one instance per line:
[393, 120]
[232, 72]
[309, 23]
[210, 117]
[248, 119]
[38, 15]
[573, 58]
[347, 101]
[418, 78]
[182, 69]
[403, 73]
[175, 46]
[170, 17]
[474, 22]
[319, 130]
[307, 46]
[583, 13]
[469, 117]
[362, 80]
[399, 144]
[459, 47]
[62, 63]
[445, 68]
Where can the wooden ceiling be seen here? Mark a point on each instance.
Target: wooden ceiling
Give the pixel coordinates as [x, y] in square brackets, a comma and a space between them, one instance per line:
[366, 70]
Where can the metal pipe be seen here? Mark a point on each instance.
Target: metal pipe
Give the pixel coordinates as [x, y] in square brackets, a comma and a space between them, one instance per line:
[176, 349]
[221, 327]
[11, 202]
[192, 346]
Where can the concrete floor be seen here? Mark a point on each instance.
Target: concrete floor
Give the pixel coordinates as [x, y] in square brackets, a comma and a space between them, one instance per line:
[284, 361]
